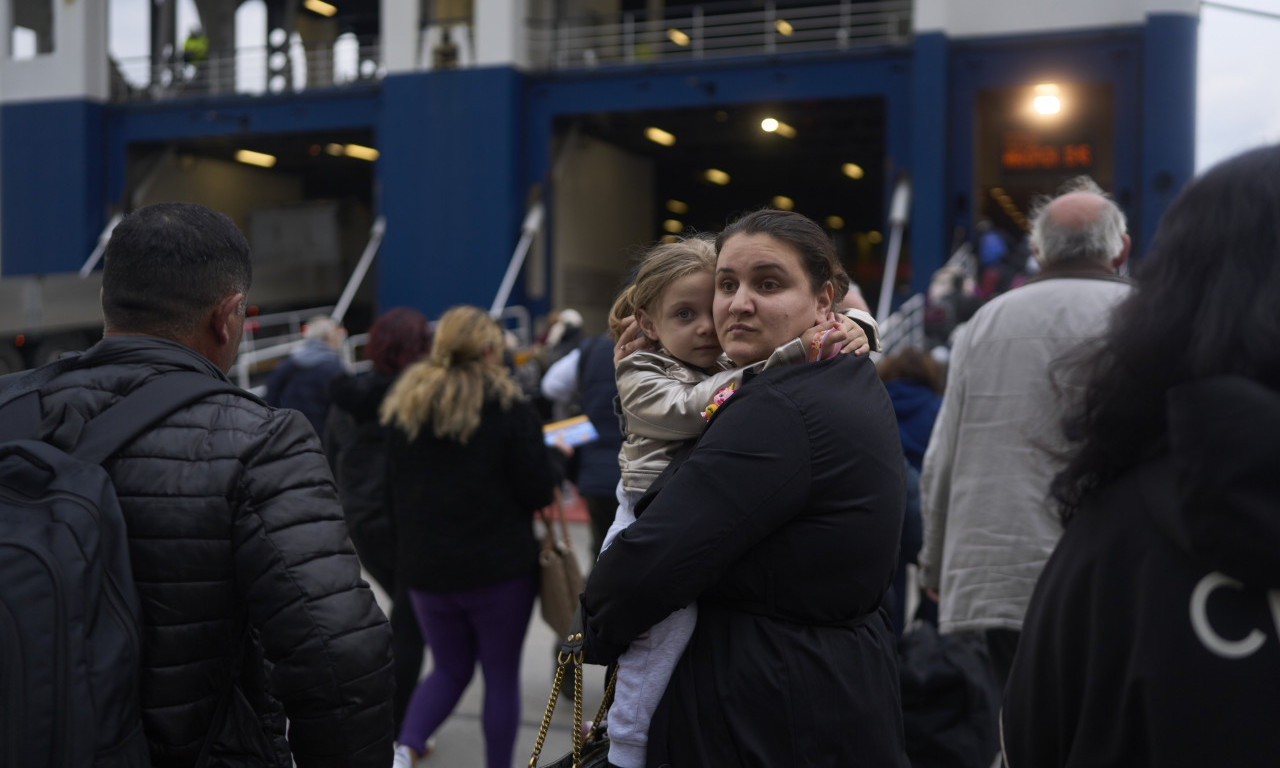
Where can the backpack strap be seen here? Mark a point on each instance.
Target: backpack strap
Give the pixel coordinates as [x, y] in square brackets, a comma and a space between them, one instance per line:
[118, 425]
[20, 415]
[15, 385]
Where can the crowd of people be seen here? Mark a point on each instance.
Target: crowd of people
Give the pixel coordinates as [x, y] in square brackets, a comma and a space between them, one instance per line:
[1088, 491]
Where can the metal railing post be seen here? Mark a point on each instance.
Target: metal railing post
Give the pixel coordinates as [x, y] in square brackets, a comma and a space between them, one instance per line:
[770, 28]
[629, 37]
[362, 267]
[98, 249]
[898, 211]
[697, 32]
[532, 221]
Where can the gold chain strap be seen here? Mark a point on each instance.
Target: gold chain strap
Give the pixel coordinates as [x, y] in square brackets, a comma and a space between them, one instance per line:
[577, 707]
[608, 697]
[562, 661]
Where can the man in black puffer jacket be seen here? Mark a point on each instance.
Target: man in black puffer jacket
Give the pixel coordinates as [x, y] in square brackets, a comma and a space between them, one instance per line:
[252, 604]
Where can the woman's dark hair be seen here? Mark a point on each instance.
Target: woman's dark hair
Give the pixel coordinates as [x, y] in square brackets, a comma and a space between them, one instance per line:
[398, 338]
[166, 265]
[1205, 305]
[817, 252]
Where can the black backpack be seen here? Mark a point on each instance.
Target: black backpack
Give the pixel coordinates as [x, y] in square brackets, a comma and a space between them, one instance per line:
[70, 626]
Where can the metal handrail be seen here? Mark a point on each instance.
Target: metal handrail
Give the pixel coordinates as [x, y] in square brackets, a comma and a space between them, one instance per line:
[100, 248]
[717, 30]
[247, 71]
[905, 327]
[251, 354]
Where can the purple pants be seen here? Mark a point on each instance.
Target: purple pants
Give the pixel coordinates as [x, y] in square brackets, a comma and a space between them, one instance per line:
[486, 625]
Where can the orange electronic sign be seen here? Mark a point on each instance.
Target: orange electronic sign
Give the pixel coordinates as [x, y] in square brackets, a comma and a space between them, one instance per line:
[1024, 151]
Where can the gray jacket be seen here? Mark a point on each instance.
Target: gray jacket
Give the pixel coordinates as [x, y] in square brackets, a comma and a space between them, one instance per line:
[989, 523]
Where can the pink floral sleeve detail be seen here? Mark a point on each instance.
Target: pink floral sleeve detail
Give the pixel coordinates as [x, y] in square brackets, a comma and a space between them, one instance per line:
[718, 400]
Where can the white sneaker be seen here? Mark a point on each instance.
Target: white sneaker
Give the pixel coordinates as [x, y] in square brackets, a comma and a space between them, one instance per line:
[404, 757]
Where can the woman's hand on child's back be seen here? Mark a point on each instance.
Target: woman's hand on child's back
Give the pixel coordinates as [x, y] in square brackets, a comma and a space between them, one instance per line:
[630, 339]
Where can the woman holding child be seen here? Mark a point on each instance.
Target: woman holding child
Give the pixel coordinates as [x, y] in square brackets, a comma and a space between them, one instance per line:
[782, 525]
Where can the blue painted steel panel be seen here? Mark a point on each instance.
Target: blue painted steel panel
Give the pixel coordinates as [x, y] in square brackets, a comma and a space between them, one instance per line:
[1169, 113]
[52, 185]
[452, 193]
[335, 109]
[928, 226]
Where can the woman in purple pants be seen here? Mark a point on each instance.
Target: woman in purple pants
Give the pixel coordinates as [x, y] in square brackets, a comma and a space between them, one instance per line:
[467, 467]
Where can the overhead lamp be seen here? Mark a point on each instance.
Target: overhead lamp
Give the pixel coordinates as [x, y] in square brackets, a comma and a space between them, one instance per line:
[774, 125]
[320, 7]
[1046, 100]
[784, 27]
[670, 239]
[333, 149]
[677, 207]
[677, 37]
[782, 202]
[835, 222]
[360, 153]
[260, 159]
[659, 136]
[673, 226]
[852, 170]
[716, 176]
[874, 237]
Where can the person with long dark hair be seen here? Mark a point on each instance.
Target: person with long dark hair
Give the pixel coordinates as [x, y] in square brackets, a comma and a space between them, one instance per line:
[1151, 638]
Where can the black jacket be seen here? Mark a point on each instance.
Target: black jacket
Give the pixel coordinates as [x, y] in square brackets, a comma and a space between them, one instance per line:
[783, 525]
[1153, 636]
[356, 445]
[464, 513]
[234, 525]
[598, 470]
[301, 381]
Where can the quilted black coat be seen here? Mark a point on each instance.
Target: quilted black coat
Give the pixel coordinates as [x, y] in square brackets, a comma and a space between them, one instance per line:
[239, 549]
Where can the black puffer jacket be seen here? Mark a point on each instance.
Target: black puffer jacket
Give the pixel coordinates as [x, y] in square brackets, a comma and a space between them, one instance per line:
[235, 531]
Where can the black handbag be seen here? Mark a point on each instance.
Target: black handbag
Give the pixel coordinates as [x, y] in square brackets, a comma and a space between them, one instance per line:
[593, 750]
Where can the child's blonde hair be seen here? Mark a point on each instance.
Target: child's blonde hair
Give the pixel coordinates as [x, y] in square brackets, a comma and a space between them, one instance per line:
[662, 265]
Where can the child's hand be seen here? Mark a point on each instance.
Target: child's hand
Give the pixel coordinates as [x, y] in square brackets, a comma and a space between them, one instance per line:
[838, 334]
[821, 341]
[630, 339]
[855, 339]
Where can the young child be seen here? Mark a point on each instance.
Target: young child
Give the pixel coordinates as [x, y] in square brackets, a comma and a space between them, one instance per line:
[667, 395]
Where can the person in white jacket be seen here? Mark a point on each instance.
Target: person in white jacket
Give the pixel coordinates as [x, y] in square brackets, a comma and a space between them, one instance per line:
[989, 522]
